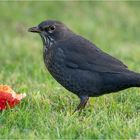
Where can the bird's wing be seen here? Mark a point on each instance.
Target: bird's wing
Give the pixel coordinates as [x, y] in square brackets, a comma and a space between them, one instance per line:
[82, 54]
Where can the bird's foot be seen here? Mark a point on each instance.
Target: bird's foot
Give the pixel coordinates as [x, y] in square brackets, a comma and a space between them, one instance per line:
[83, 102]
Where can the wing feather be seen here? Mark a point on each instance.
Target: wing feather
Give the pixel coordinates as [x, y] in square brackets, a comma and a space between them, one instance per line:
[82, 54]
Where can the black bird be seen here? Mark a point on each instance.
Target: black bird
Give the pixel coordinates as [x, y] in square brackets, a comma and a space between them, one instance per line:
[79, 66]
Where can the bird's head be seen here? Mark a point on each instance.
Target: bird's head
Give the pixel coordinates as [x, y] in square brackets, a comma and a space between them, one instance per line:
[51, 30]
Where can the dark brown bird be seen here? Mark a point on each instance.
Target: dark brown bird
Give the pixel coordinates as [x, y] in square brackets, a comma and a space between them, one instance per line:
[79, 66]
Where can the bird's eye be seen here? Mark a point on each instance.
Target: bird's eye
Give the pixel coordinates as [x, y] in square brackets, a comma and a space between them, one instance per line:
[52, 27]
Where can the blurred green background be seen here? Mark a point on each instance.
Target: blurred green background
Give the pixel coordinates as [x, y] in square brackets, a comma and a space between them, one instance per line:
[46, 111]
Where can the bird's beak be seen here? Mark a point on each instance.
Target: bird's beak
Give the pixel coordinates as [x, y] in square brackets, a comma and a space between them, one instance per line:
[34, 29]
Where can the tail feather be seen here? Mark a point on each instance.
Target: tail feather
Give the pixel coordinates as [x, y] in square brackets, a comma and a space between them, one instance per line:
[120, 81]
[134, 79]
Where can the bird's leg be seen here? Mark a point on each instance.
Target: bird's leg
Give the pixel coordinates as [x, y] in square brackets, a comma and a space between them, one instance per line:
[83, 102]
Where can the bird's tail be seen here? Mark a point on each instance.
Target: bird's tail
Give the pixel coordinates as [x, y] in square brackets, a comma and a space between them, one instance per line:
[134, 79]
[120, 81]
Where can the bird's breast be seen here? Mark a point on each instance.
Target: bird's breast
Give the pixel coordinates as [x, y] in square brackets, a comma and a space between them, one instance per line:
[55, 63]
[54, 59]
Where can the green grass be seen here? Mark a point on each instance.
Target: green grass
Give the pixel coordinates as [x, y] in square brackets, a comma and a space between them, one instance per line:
[46, 111]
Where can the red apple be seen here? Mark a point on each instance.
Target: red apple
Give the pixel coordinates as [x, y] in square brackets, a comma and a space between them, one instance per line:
[8, 98]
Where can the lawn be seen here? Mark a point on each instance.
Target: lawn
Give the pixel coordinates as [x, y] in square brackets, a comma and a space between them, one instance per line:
[46, 111]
